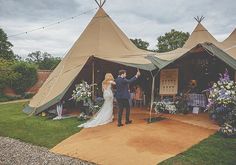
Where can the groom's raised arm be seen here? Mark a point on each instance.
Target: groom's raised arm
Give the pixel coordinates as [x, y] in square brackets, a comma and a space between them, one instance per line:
[132, 79]
[128, 81]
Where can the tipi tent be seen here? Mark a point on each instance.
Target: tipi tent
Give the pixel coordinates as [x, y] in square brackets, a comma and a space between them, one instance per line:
[230, 40]
[229, 44]
[102, 38]
[199, 35]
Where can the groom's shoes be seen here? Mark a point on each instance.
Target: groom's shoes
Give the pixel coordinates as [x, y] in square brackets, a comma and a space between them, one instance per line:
[128, 122]
[120, 125]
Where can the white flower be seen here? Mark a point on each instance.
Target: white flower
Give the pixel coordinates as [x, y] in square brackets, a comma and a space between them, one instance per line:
[228, 87]
[215, 85]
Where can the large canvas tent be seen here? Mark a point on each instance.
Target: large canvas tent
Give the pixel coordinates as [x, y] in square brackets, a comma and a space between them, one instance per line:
[103, 39]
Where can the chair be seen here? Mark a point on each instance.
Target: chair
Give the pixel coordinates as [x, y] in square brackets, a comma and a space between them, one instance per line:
[140, 101]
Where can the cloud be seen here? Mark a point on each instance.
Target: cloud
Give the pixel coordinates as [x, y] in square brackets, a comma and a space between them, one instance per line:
[137, 18]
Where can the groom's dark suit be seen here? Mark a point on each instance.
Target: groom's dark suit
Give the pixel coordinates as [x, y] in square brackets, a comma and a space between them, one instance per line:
[122, 96]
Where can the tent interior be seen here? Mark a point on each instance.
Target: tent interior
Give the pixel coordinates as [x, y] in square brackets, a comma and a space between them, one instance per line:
[94, 72]
[198, 68]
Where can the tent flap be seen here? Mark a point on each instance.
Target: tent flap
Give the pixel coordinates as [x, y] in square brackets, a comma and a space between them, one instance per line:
[132, 62]
[159, 63]
[220, 54]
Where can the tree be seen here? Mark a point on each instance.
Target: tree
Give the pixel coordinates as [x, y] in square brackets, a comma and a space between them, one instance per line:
[44, 60]
[171, 40]
[5, 47]
[26, 76]
[7, 75]
[140, 43]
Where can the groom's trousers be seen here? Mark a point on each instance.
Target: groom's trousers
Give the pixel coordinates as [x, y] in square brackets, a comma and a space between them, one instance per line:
[123, 103]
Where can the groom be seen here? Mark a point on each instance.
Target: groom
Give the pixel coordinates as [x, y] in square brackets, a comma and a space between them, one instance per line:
[123, 95]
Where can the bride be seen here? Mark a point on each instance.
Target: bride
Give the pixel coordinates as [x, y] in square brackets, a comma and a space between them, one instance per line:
[105, 114]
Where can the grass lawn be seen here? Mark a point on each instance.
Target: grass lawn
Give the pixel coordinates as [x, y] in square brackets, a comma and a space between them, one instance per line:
[36, 130]
[40, 131]
[212, 151]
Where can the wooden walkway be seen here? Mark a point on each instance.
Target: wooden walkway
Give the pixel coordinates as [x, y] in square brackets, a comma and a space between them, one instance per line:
[138, 143]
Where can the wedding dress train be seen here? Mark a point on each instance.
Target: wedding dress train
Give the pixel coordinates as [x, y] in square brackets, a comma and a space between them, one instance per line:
[105, 114]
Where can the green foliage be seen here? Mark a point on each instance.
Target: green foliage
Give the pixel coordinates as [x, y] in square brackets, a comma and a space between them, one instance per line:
[181, 104]
[171, 40]
[4, 98]
[7, 75]
[28, 95]
[36, 130]
[140, 43]
[5, 47]
[214, 150]
[44, 60]
[26, 76]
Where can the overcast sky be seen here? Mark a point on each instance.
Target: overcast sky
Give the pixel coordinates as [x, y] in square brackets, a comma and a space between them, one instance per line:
[145, 19]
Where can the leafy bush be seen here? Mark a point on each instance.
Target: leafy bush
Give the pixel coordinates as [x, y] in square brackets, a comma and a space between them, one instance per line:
[28, 95]
[26, 76]
[4, 98]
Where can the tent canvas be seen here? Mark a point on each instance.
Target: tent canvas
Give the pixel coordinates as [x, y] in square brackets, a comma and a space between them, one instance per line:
[211, 48]
[101, 38]
[199, 35]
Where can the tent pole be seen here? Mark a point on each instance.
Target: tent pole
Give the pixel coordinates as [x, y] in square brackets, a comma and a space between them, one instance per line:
[93, 80]
[152, 97]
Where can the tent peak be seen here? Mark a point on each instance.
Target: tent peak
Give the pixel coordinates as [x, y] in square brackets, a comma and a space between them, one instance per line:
[101, 13]
[199, 19]
[100, 3]
[231, 37]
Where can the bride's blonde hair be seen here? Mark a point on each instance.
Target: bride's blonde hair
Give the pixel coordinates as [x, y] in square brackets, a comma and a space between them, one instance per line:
[108, 77]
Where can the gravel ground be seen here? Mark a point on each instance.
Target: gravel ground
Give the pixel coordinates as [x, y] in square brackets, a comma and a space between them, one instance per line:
[15, 152]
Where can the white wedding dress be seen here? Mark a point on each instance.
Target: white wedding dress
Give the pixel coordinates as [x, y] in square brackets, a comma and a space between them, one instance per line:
[105, 114]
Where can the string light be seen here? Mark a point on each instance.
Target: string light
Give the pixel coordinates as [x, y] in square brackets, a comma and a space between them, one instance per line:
[52, 24]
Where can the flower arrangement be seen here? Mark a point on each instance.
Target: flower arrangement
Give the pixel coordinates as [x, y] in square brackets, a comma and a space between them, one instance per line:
[223, 92]
[222, 104]
[228, 130]
[82, 92]
[83, 117]
[181, 104]
[159, 107]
